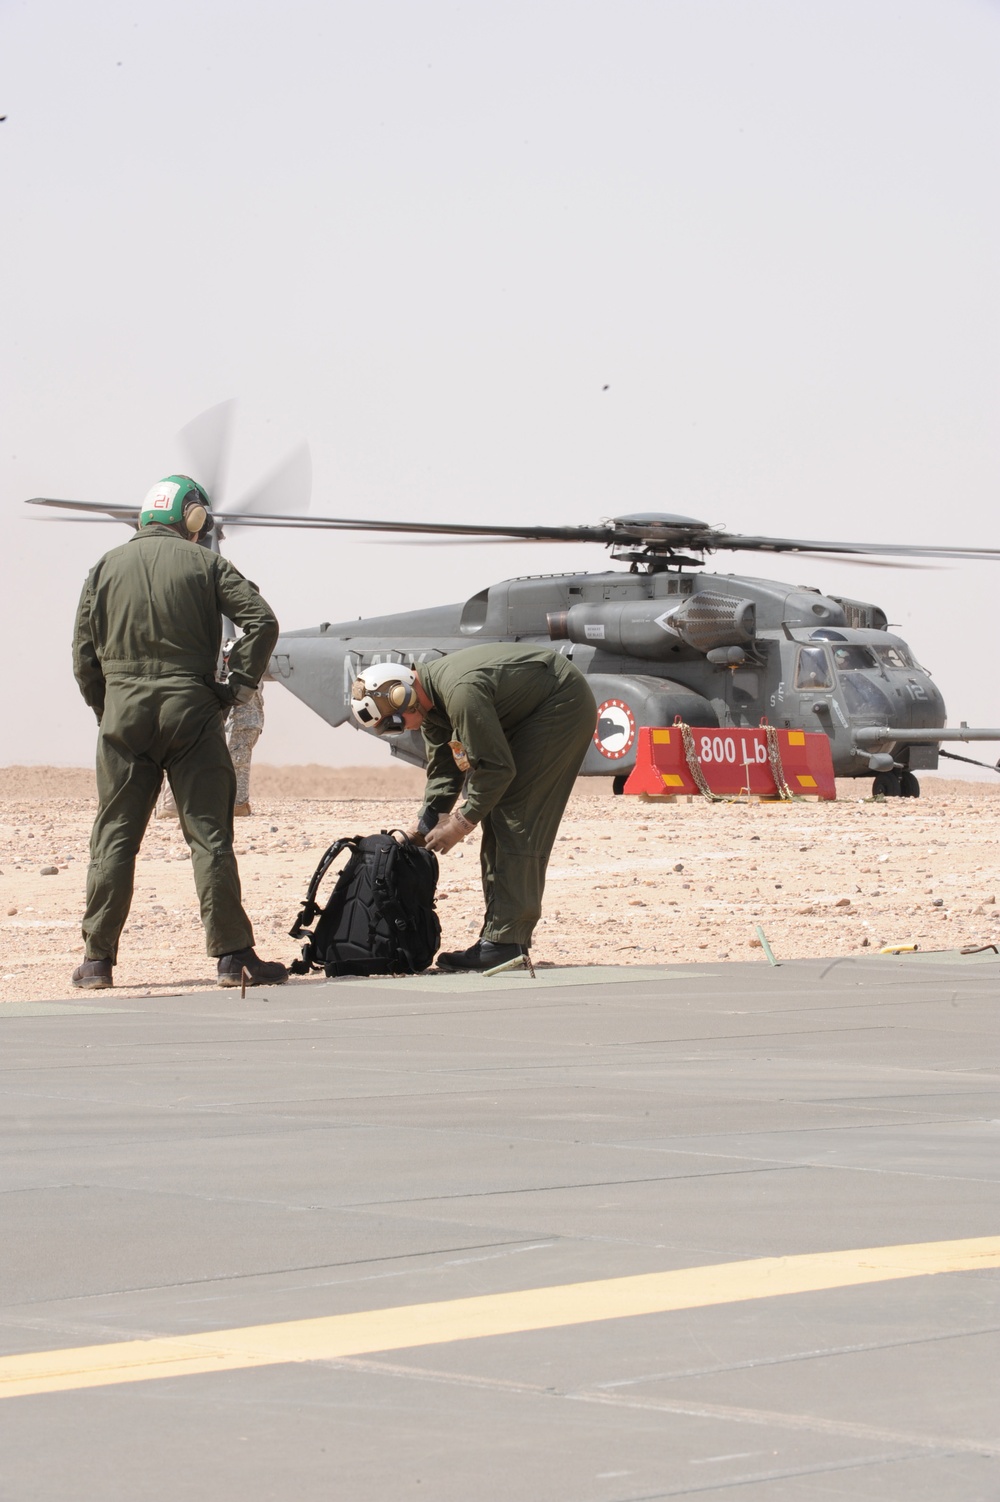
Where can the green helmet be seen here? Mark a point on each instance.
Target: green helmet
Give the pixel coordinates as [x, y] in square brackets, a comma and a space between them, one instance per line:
[178, 498]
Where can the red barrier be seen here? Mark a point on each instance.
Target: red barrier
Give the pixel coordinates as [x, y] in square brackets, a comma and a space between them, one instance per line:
[732, 762]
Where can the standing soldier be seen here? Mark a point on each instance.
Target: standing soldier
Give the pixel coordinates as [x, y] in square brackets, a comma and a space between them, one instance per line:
[145, 652]
[512, 723]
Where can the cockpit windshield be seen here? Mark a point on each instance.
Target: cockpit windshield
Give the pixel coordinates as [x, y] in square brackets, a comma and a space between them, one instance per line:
[813, 669]
[895, 657]
[850, 657]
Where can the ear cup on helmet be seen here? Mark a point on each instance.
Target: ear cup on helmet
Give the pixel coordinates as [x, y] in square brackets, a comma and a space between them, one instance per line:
[195, 518]
[398, 695]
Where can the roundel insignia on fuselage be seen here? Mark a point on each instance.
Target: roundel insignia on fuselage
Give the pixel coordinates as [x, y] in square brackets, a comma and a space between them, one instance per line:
[615, 731]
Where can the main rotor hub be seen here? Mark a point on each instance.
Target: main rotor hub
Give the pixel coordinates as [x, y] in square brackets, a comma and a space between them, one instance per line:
[660, 535]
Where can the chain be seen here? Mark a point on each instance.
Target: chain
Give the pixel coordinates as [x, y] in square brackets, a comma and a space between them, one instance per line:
[694, 765]
[774, 757]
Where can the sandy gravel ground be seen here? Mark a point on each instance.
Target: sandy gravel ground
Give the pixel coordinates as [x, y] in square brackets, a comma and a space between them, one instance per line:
[630, 882]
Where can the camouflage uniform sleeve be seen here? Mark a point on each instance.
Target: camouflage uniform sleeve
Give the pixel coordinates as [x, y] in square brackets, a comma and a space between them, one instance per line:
[241, 602]
[86, 664]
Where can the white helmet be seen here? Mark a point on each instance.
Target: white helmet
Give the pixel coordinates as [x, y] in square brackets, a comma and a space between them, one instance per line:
[381, 695]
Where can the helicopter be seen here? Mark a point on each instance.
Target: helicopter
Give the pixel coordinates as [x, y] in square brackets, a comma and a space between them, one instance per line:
[659, 641]
[665, 640]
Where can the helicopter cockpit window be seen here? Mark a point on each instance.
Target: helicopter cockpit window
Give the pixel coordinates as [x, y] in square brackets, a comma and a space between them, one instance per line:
[895, 657]
[813, 670]
[851, 657]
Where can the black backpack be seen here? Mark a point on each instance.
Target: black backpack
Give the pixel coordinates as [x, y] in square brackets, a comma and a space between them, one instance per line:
[380, 919]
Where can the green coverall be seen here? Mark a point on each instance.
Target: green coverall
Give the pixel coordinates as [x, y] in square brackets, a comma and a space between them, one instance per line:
[523, 718]
[145, 651]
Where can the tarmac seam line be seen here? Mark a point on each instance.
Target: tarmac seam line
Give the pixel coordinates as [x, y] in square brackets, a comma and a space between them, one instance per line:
[762, 1417]
[751, 1478]
[278, 1272]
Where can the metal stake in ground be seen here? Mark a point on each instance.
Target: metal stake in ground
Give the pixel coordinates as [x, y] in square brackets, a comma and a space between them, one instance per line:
[762, 936]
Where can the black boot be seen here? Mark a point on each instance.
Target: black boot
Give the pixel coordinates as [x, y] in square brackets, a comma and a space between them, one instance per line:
[93, 975]
[259, 972]
[484, 954]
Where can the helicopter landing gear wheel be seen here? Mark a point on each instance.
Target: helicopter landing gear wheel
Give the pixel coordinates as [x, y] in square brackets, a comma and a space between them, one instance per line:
[618, 785]
[887, 785]
[909, 787]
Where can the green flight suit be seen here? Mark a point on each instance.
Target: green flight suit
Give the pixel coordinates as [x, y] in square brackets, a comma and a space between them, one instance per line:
[523, 717]
[145, 651]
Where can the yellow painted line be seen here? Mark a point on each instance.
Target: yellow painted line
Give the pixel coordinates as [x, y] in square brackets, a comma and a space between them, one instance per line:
[331, 1337]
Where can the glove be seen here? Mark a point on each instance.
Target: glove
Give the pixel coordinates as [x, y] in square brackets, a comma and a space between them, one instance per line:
[450, 830]
[415, 837]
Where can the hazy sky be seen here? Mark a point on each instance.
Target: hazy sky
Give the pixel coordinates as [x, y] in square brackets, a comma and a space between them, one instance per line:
[425, 236]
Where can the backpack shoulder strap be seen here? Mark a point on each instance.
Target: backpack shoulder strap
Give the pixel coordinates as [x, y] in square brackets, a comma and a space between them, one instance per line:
[310, 907]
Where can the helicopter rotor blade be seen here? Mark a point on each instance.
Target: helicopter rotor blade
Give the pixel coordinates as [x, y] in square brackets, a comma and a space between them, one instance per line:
[206, 441]
[657, 539]
[439, 529]
[856, 561]
[281, 493]
[733, 542]
[662, 536]
[454, 542]
[448, 542]
[83, 521]
[102, 516]
[96, 511]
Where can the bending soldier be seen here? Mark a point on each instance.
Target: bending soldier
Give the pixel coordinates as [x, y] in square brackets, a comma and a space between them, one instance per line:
[145, 650]
[512, 723]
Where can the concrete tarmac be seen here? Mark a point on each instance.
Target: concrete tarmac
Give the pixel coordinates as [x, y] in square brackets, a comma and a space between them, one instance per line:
[720, 1231]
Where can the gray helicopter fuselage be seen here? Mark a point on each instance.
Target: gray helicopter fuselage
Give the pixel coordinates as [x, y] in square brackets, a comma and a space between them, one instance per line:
[715, 649]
